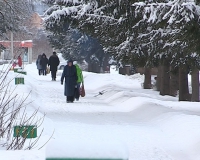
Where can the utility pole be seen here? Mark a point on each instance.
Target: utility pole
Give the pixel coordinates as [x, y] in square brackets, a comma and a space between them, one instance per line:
[11, 35]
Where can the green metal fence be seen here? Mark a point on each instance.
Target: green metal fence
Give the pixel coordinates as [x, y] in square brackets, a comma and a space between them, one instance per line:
[81, 159]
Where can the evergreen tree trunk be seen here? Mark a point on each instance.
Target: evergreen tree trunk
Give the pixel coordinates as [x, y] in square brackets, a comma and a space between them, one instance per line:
[174, 81]
[183, 84]
[165, 78]
[89, 67]
[122, 71]
[127, 68]
[95, 67]
[158, 78]
[101, 69]
[195, 85]
[147, 78]
[173, 84]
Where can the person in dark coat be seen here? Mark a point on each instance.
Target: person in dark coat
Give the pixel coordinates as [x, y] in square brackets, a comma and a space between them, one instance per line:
[70, 76]
[39, 66]
[44, 61]
[53, 63]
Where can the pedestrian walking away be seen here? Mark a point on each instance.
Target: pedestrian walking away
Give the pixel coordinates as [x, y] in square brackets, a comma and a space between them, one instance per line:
[79, 81]
[19, 59]
[38, 64]
[70, 76]
[53, 63]
[44, 61]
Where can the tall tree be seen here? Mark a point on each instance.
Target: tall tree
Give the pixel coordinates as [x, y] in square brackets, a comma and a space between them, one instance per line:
[171, 21]
[140, 33]
[13, 14]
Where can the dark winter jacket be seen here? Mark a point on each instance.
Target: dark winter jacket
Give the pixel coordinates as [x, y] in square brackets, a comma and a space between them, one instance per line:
[54, 62]
[39, 66]
[70, 76]
[44, 61]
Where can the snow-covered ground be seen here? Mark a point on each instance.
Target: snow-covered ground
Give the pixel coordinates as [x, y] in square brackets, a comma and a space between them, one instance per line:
[144, 124]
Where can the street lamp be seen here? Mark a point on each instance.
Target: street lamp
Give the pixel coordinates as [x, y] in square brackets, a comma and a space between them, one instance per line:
[11, 37]
[22, 44]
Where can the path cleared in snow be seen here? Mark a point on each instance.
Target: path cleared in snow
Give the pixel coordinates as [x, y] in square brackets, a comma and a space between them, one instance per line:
[150, 126]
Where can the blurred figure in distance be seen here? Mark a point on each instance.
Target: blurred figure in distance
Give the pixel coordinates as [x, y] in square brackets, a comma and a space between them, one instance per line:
[53, 63]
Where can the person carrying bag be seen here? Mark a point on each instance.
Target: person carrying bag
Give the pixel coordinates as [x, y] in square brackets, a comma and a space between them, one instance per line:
[70, 76]
[48, 70]
[79, 91]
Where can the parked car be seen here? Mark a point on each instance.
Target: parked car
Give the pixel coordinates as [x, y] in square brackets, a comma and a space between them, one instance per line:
[62, 65]
[63, 62]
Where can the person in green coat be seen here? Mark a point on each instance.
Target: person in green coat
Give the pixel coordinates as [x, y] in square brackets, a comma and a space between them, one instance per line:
[79, 81]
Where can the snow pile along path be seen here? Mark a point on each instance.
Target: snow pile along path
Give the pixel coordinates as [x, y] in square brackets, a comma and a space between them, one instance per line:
[117, 110]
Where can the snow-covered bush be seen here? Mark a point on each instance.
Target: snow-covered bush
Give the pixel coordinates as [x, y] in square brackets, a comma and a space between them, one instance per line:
[13, 112]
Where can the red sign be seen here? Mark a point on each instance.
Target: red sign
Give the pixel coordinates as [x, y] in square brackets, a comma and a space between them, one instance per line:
[7, 44]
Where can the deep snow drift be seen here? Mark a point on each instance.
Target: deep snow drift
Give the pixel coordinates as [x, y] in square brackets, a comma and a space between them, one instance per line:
[148, 126]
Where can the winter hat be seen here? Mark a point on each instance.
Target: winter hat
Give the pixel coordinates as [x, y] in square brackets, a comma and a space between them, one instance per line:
[43, 54]
[70, 60]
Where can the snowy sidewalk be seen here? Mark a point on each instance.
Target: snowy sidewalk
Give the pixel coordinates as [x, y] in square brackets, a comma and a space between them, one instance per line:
[150, 126]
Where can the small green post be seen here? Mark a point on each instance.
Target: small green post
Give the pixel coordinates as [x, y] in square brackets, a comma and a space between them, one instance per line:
[22, 72]
[25, 131]
[19, 80]
[15, 69]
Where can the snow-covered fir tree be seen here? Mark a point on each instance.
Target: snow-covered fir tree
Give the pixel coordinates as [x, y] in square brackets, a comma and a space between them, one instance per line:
[147, 34]
[89, 46]
[173, 23]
